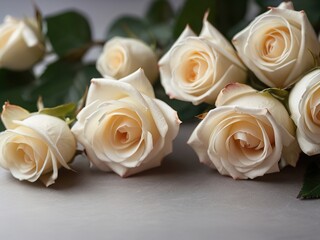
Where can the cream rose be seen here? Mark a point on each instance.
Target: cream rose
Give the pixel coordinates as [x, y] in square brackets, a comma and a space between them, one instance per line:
[21, 44]
[304, 104]
[279, 46]
[123, 56]
[34, 146]
[195, 69]
[123, 128]
[247, 135]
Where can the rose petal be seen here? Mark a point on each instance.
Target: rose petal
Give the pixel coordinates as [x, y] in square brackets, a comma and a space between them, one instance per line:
[220, 42]
[139, 81]
[46, 128]
[12, 112]
[231, 91]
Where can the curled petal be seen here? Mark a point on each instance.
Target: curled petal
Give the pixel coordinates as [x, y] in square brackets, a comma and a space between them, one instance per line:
[12, 112]
[231, 91]
[304, 104]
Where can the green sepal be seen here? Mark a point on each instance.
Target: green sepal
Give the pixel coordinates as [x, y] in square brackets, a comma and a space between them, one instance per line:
[278, 93]
[66, 112]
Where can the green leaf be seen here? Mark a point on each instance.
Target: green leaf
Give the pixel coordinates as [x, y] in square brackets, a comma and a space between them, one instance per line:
[159, 12]
[186, 110]
[17, 96]
[312, 9]
[228, 13]
[62, 82]
[69, 31]
[237, 28]
[192, 14]
[311, 182]
[66, 112]
[131, 27]
[155, 29]
[224, 15]
[81, 82]
[163, 36]
[11, 79]
[14, 87]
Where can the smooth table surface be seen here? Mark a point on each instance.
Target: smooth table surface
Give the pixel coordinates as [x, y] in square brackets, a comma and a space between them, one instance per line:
[182, 199]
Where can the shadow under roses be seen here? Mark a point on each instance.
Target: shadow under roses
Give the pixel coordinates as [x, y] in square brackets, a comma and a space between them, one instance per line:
[66, 178]
[182, 161]
[75, 177]
[290, 175]
[180, 165]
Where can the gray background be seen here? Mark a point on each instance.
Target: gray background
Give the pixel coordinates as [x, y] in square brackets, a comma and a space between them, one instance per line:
[182, 199]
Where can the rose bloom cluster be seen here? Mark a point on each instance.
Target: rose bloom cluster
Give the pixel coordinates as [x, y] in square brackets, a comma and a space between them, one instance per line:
[250, 133]
[123, 128]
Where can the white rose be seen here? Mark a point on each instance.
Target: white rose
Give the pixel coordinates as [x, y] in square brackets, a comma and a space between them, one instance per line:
[34, 146]
[123, 127]
[279, 46]
[21, 44]
[247, 135]
[195, 69]
[123, 56]
[304, 104]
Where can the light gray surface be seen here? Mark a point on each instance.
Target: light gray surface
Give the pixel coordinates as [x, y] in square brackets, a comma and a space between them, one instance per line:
[182, 199]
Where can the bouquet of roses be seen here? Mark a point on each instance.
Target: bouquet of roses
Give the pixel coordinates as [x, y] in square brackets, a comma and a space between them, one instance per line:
[258, 96]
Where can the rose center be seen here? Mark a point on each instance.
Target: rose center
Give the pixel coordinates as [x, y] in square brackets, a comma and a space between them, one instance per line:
[123, 136]
[22, 154]
[246, 140]
[275, 43]
[316, 114]
[126, 134]
[115, 59]
[194, 67]
[192, 71]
